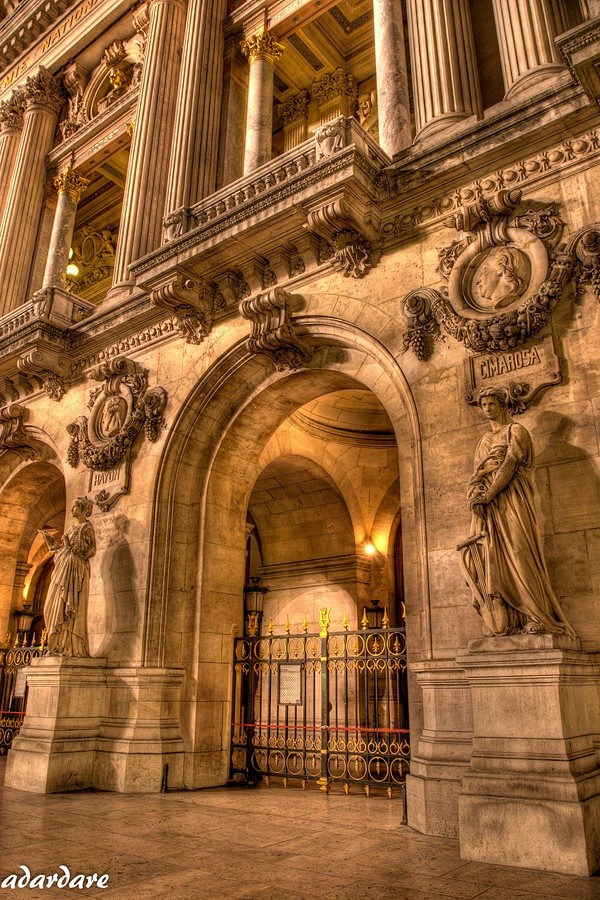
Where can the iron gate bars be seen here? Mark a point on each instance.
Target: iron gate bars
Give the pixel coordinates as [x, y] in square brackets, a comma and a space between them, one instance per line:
[327, 707]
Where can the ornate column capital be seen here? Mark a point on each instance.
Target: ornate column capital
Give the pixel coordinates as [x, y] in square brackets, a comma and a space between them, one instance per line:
[43, 91]
[333, 85]
[71, 182]
[262, 46]
[294, 108]
[11, 112]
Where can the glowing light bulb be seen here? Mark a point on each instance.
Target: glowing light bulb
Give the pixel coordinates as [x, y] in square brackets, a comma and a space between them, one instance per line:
[370, 548]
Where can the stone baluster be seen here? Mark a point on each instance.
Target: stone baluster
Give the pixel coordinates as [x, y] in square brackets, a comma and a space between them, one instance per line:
[526, 31]
[18, 232]
[147, 174]
[11, 125]
[262, 52]
[444, 69]
[193, 168]
[294, 112]
[395, 131]
[70, 186]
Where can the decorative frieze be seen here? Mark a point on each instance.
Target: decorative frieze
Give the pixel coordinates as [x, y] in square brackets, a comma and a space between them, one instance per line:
[273, 333]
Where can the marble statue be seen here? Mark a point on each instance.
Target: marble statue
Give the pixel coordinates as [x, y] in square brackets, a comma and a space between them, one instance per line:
[65, 609]
[503, 560]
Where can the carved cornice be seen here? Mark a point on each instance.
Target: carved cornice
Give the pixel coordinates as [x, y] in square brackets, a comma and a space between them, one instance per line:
[273, 333]
[11, 112]
[262, 46]
[72, 183]
[42, 91]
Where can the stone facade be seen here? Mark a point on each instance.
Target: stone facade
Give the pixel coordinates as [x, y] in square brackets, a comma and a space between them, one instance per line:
[253, 332]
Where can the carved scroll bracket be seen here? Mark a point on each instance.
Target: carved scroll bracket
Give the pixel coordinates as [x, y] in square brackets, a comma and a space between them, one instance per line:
[193, 302]
[349, 231]
[15, 435]
[47, 366]
[502, 281]
[273, 333]
[120, 408]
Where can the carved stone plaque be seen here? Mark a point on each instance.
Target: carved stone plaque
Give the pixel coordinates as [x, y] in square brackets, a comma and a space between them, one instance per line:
[106, 487]
[532, 368]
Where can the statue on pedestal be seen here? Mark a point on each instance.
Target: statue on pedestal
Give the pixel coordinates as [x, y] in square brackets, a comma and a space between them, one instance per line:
[503, 560]
[65, 609]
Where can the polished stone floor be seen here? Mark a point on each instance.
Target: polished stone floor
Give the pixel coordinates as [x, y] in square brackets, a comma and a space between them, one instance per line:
[254, 843]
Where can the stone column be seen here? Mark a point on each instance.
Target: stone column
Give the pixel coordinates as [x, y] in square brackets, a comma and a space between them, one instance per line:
[70, 186]
[11, 125]
[294, 112]
[262, 52]
[444, 69]
[193, 168]
[18, 232]
[526, 31]
[147, 174]
[395, 131]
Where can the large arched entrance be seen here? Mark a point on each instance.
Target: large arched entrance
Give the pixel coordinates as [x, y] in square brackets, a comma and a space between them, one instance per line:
[346, 429]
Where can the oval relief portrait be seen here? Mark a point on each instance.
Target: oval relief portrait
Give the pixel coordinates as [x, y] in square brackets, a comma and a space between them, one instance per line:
[503, 277]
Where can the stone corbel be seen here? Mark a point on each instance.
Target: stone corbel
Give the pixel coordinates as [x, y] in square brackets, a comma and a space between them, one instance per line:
[190, 300]
[253, 275]
[273, 333]
[47, 366]
[348, 232]
[228, 287]
[14, 434]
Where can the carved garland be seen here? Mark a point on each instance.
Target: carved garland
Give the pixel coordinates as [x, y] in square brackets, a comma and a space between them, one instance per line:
[498, 237]
[121, 407]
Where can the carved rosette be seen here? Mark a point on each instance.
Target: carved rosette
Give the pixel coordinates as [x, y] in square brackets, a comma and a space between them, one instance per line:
[502, 281]
[14, 434]
[262, 46]
[120, 408]
[11, 112]
[193, 303]
[42, 91]
[273, 333]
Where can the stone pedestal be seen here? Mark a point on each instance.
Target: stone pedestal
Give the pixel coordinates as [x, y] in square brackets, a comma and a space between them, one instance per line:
[531, 797]
[443, 750]
[56, 746]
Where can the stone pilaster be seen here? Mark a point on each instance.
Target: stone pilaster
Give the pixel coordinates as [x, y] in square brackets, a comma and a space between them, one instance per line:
[336, 94]
[526, 31]
[147, 174]
[193, 168]
[70, 186]
[395, 132]
[444, 70]
[262, 52]
[18, 231]
[294, 112]
[11, 126]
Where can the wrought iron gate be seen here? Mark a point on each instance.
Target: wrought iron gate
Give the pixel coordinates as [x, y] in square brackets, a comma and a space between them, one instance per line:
[328, 707]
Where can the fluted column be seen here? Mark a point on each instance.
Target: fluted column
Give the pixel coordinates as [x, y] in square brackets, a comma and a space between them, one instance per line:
[11, 126]
[193, 168]
[395, 132]
[526, 31]
[140, 229]
[444, 70]
[262, 52]
[70, 186]
[18, 232]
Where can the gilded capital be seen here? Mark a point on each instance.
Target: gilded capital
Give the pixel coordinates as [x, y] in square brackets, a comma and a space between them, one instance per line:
[71, 182]
[262, 46]
[43, 91]
[11, 112]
